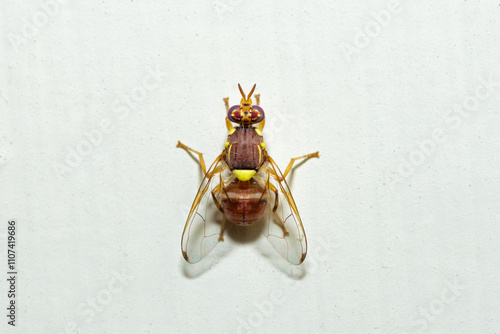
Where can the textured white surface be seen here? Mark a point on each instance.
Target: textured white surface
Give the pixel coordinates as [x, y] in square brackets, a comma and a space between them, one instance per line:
[401, 241]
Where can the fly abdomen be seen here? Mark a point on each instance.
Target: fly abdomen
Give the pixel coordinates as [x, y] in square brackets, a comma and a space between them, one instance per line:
[243, 203]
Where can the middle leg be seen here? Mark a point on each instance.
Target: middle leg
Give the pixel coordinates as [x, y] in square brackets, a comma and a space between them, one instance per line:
[292, 161]
[200, 155]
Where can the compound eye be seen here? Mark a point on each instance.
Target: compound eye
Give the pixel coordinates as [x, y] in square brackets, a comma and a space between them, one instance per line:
[257, 114]
[234, 114]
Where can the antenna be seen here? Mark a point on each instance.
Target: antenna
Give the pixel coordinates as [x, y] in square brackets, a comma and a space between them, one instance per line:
[241, 91]
[249, 95]
[251, 92]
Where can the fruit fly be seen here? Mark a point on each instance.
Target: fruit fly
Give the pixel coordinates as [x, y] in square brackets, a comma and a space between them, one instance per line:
[244, 186]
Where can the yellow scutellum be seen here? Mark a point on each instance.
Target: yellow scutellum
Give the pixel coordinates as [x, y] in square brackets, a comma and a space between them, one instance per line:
[244, 174]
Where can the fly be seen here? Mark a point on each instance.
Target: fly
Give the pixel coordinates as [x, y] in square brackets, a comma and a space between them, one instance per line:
[244, 186]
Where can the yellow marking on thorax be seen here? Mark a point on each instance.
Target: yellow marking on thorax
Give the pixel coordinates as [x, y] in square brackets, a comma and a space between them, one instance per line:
[229, 154]
[260, 154]
[232, 131]
[226, 144]
[263, 145]
[244, 174]
[258, 131]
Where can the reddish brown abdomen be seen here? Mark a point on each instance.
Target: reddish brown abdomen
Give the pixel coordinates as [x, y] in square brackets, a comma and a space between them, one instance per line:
[244, 203]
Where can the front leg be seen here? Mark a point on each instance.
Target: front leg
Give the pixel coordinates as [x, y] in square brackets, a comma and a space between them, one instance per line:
[229, 125]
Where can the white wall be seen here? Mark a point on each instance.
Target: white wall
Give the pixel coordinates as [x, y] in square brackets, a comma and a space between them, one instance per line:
[401, 210]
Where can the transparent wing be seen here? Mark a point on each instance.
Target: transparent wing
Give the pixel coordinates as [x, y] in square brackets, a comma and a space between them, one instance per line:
[204, 222]
[283, 226]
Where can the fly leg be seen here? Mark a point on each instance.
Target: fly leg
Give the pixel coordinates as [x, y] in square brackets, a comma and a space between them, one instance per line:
[271, 187]
[275, 213]
[200, 156]
[229, 125]
[275, 208]
[222, 227]
[218, 188]
[260, 126]
[216, 201]
[292, 161]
